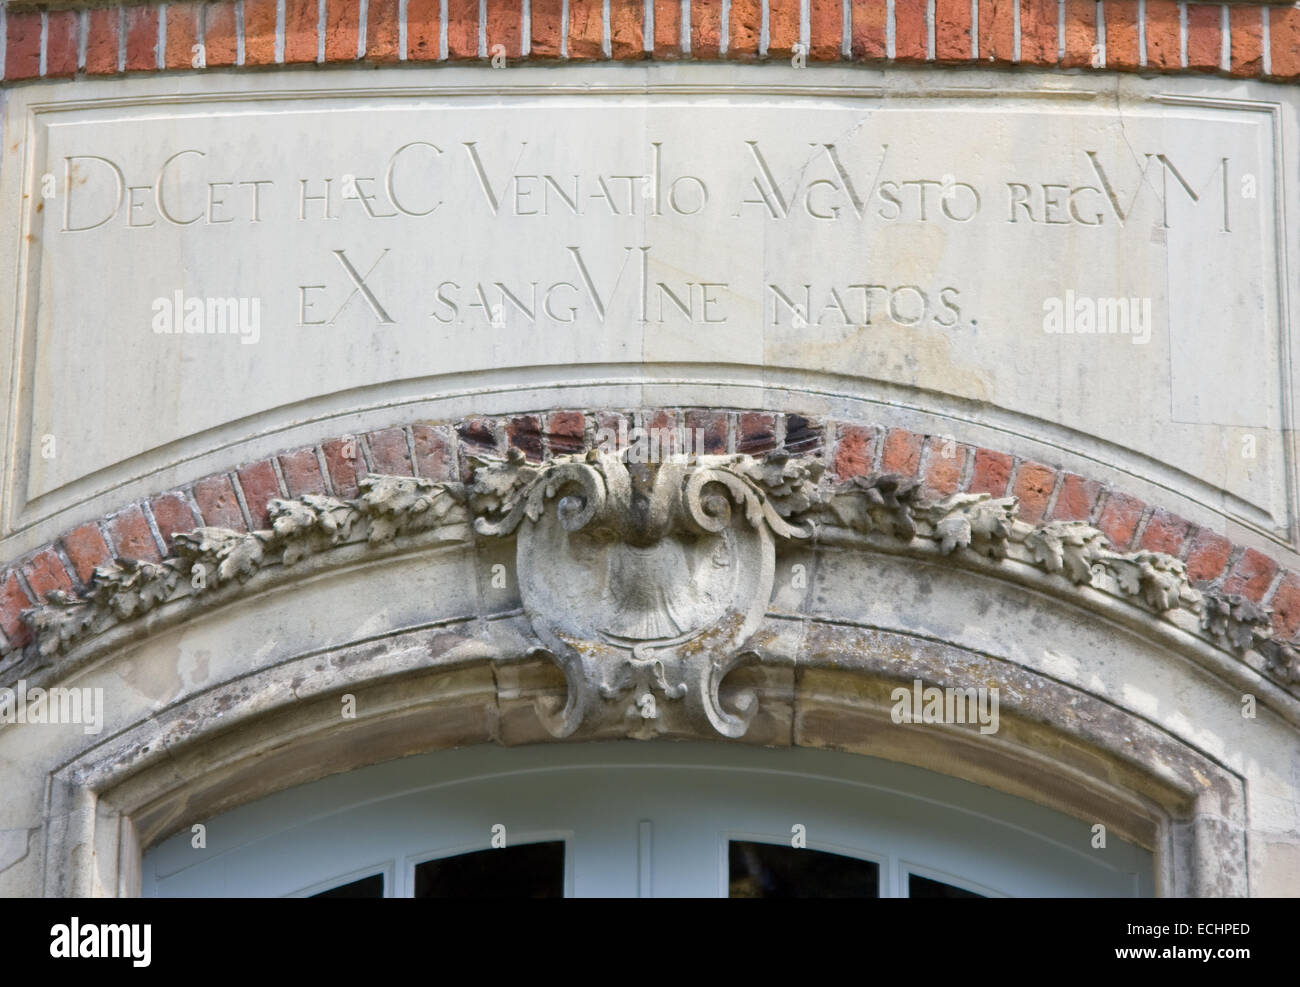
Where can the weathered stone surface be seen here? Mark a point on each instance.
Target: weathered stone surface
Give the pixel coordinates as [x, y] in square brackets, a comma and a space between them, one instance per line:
[753, 272]
[971, 244]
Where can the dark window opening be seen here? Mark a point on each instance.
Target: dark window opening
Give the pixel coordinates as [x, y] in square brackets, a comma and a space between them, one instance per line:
[923, 887]
[769, 870]
[367, 887]
[531, 870]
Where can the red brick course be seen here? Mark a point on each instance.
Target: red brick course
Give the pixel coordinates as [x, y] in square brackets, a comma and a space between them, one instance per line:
[141, 38]
[627, 29]
[102, 29]
[902, 452]
[855, 451]
[215, 497]
[183, 34]
[546, 22]
[389, 452]
[23, 46]
[992, 473]
[746, 27]
[945, 460]
[1121, 36]
[868, 31]
[1033, 486]
[301, 29]
[1251, 576]
[131, 537]
[1081, 34]
[1077, 498]
[45, 573]
[1165, 532]
[952, 30]
[85, 548]
[825, 30]
[1119, 518]
[345, 463]
[1246, 37]
[756, 432]
[1039, 31]
[1207, 556]
[63, 33]
[1284, 42]
[301, 472]
[1037, 39]
[260, 486]
[172, 515]
[220, 40]
[1164, 45]
[1204, 42]
[911, 37]
[260, 28]
[668, 28]
[434, 456]
[442, 452]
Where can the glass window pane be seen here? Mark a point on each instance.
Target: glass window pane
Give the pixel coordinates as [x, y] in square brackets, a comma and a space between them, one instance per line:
[923, 887]
[770, 870]
[530, 870]
[367, 887]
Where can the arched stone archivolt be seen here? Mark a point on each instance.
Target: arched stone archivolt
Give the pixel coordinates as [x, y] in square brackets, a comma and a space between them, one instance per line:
[900, 489]
[439, 687]
[526, 587]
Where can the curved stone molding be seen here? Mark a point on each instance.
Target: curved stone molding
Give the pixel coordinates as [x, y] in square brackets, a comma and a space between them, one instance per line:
[986, 525]
[1059, 745]
[239, 499]
[208, 558]
[645, 582]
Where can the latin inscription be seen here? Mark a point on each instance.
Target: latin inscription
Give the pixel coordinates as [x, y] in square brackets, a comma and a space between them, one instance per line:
[229, 267]
[832, 187]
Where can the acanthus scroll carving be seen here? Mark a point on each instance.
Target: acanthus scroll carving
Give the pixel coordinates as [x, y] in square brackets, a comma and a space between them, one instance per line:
[646, 582]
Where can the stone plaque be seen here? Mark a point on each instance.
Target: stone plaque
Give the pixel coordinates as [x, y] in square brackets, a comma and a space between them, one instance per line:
[196, 266]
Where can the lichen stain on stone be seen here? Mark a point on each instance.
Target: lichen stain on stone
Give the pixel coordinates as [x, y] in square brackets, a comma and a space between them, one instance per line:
[199, 671]
[922, 590]
[359, 655]
[916, 356]
[440, 644]
[155, 673]
[15, 844]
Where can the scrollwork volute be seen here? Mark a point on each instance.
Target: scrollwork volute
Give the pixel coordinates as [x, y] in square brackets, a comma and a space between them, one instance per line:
[644, 583]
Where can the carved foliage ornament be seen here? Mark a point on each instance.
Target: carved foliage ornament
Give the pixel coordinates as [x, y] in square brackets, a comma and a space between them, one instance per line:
[645, 582]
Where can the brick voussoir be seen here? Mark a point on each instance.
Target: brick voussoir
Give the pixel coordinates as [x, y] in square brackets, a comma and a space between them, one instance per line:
[854, 448]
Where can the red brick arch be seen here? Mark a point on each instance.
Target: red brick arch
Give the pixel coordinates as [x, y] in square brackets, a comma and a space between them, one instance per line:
[65, 38]
[91, 38]
[238, 498]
